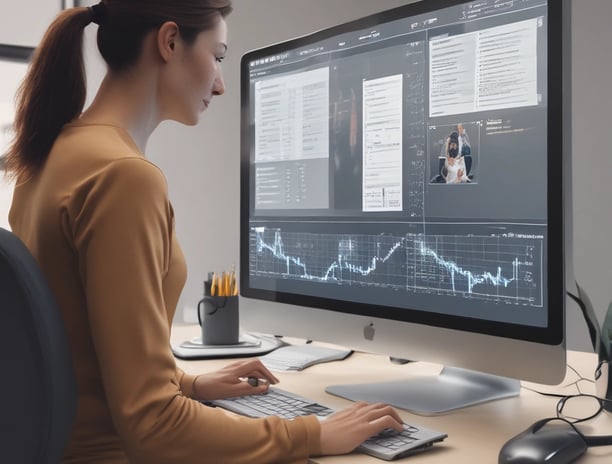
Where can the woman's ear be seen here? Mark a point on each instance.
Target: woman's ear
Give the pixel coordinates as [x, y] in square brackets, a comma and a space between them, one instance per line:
[167, 38]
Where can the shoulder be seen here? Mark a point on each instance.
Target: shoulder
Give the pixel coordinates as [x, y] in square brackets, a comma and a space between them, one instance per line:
[127, 193]
[118, 187]
[132, 172]
[91, 146]
[97, 156]
[126, 182]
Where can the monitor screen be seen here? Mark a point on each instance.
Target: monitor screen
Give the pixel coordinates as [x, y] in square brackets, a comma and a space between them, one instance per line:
[408, 168]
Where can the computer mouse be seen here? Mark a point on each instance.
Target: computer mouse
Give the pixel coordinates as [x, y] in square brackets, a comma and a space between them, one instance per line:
[539, 444]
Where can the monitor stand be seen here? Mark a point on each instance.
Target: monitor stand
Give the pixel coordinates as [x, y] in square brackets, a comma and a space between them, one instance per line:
[452, 389]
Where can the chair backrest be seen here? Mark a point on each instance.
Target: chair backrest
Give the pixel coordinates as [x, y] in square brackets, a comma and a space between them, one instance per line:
[38, 393]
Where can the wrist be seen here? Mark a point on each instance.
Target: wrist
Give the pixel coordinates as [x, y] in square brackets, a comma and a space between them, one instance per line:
[194, 388]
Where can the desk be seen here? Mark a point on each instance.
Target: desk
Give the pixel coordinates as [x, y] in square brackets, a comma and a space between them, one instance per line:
[475, 434]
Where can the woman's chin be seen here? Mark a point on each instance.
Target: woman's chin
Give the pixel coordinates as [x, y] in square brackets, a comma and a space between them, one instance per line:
[188, 120]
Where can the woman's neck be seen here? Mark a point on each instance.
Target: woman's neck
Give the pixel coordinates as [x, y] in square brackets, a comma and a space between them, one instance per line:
[128, 102]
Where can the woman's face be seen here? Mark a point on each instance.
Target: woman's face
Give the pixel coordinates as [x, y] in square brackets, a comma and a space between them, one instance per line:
[195, 76]
[453, 149]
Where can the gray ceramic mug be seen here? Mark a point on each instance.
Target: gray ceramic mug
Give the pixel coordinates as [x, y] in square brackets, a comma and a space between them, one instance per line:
[218, 317]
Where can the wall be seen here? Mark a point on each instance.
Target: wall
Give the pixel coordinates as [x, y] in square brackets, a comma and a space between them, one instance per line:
[592, 159]
[202, 163]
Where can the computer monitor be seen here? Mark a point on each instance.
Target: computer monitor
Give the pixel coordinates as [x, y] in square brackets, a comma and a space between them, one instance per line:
[405, 190]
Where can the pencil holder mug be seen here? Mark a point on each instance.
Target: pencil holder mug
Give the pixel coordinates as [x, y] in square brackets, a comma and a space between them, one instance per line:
[219, 319]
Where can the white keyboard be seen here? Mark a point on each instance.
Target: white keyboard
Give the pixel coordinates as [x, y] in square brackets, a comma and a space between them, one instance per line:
[388, 445]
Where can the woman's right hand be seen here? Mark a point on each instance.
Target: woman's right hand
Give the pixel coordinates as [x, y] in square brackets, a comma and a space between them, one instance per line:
[345, 430]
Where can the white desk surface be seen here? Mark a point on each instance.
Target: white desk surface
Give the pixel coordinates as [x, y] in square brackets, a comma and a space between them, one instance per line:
[475, 434]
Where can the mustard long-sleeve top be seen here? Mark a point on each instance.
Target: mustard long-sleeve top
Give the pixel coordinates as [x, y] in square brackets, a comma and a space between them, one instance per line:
[98, 220]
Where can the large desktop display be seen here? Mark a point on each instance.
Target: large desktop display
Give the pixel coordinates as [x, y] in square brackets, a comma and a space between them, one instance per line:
[405, 191]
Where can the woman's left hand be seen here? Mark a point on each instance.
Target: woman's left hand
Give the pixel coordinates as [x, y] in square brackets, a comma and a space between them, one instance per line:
[232, 381]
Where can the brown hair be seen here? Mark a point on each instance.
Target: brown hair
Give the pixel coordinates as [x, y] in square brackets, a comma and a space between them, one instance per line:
[54, 89]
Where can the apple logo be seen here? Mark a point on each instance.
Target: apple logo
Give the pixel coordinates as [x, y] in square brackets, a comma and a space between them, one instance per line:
[368, 331]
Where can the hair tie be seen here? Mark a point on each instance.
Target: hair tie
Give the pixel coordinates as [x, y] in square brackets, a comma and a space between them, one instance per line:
[98, 14]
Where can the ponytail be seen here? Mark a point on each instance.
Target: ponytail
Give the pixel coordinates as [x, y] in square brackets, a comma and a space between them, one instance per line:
[51, 95]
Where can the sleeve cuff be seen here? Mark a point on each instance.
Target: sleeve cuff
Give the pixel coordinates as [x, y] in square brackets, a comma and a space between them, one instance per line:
[313, 435]
[186, 382]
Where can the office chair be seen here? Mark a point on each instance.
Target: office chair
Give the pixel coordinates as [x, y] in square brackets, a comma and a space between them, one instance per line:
[38, 393]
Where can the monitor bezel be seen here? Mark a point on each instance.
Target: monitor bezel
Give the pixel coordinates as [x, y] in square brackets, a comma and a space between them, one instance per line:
[554, 332]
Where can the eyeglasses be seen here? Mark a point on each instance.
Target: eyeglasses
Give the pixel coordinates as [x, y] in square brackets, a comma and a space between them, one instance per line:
[580, 408]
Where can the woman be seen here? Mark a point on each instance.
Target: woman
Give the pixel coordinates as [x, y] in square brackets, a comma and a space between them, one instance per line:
[95, 213]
